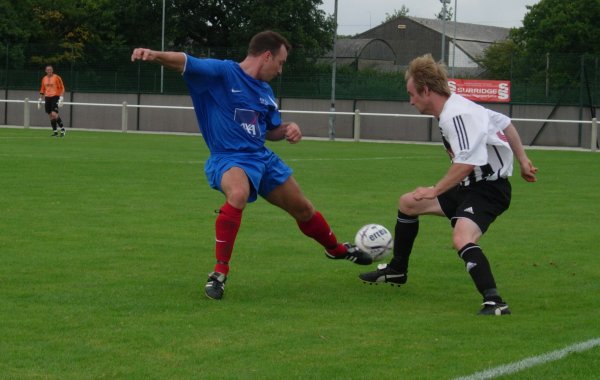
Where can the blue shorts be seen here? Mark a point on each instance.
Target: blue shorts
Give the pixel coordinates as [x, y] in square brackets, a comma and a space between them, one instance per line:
[264, 169]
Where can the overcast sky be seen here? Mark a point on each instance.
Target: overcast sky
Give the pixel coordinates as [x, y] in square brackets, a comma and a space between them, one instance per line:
[356, 16]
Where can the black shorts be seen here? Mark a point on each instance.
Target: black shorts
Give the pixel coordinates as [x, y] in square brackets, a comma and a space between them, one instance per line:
[481, 202]
[51, 104]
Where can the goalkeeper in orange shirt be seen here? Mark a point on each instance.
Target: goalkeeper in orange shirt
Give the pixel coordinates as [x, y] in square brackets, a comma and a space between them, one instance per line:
[52, 91]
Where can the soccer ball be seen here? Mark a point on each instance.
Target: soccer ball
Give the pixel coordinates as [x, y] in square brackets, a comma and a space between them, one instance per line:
[376, 240]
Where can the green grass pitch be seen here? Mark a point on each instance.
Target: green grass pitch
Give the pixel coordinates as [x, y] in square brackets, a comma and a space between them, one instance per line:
[106, 240]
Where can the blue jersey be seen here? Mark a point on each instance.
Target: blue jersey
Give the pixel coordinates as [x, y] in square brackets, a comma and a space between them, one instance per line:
[234, 110]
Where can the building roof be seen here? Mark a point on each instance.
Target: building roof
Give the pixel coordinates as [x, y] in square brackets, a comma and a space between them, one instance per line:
[391, 45]
[366, 48]
[465, 31]
[473, 39]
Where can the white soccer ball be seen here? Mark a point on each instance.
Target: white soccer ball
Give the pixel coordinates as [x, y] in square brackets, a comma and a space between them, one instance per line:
[376, 240]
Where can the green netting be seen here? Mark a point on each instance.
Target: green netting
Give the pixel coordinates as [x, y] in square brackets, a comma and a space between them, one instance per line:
[553, 79]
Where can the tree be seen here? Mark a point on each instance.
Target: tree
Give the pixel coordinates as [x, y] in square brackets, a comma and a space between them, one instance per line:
[553, 26]
[448, 16]
[231, 23]
[497, 59]
[549, 46]
[396, 13]
[74, 32]
[100, 33]
[14, 24]
[139, 22]
[15, 30]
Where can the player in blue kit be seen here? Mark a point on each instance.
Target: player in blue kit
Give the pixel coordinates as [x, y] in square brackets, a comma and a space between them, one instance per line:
[237, 112]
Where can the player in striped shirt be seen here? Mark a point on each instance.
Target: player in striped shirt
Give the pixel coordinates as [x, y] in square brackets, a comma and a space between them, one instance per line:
[52, 90]
[474, 191]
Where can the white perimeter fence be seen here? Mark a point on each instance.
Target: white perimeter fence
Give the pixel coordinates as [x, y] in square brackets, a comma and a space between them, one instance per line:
[357, 116]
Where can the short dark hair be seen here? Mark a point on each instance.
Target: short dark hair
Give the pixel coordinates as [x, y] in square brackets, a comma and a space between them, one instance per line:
[267, 41]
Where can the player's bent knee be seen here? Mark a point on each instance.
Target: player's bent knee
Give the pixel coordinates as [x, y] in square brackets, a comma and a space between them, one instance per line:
[303, 212]
[237, 199]
[407, 205]
[459, 240]
[458, 243]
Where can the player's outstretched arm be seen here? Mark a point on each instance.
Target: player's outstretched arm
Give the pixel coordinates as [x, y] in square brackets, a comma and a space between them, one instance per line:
[514, 140]
[169, 59]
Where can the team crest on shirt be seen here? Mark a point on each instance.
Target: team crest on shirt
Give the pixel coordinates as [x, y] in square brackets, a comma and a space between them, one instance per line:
[248, 120]
[269, 102]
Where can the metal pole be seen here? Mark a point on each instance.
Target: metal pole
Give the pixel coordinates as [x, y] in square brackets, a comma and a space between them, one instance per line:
[454, 39]
[547, 74]
[162, 47]
[582, 80]
[6, 85]
[444, 30]
[594, 135]
[333, 69]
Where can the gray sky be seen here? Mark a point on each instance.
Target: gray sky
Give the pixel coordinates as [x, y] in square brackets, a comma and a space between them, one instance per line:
[356, 16]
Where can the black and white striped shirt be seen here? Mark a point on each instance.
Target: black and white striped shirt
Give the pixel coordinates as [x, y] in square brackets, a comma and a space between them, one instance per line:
[473, 135]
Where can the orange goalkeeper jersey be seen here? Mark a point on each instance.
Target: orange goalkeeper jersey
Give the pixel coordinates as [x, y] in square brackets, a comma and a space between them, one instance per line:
[52, 86]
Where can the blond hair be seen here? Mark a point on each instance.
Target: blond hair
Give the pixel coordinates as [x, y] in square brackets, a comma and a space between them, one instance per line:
[426, 72]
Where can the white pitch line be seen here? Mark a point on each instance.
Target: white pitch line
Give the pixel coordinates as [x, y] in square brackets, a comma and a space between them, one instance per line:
[352, 158]
[532, 361]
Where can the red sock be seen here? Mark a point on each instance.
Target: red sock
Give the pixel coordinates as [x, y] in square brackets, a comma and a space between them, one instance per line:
[226, 229]
[318, 229]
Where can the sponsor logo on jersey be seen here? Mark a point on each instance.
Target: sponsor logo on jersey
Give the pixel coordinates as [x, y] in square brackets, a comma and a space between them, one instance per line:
[248, 120]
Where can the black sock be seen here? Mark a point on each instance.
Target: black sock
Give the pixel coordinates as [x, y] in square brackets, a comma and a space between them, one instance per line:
[59, 122]
[405, 233]
[53, 123]
[479, 268]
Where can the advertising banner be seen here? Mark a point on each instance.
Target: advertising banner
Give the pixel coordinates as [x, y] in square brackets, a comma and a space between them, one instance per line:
[477, 90]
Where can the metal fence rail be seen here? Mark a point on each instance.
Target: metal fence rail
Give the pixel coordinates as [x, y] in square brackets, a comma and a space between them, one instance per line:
[124, 106]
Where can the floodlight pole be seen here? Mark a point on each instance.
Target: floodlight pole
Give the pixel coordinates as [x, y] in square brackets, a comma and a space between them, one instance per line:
[333, 69]
[454, 39]
[444, 2]
[162, 47]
